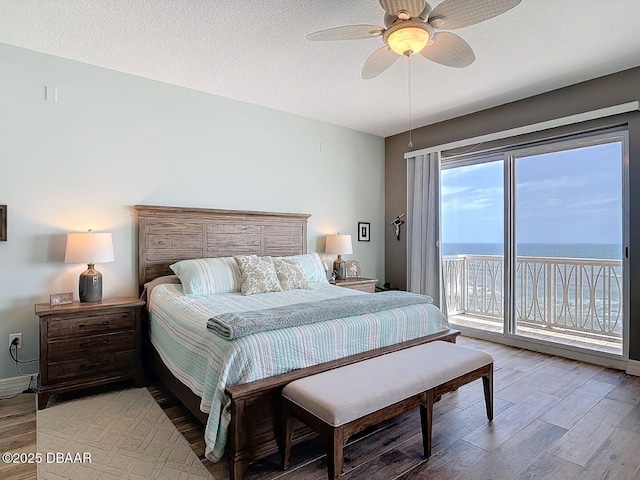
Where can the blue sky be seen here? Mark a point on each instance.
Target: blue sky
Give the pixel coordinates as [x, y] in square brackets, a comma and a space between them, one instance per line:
[563, 197]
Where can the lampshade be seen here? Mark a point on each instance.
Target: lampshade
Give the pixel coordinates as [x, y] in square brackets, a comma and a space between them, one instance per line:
[408, 40]
[89, 248]
[339, 244]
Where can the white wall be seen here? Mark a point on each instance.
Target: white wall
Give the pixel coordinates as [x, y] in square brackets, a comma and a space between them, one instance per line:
[114, 140]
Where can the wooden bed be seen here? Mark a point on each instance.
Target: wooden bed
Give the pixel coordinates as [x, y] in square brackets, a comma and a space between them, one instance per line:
[169, 234]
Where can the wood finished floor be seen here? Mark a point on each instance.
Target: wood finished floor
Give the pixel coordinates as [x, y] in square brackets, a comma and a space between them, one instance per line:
[18, 434]
[554, 419]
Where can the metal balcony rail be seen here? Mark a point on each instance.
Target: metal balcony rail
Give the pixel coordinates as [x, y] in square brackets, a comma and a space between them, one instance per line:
[570, 294]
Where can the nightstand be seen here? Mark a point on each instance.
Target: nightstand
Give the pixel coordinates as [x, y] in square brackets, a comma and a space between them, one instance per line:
[88, 344]
[362, 284]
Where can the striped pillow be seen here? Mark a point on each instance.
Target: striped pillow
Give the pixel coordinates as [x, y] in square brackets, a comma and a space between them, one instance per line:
[207, 276]
[312, 266]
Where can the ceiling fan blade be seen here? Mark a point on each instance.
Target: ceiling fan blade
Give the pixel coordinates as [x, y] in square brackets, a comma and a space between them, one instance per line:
[389, 19]
[452, 14]
[392, 7]
[378, 62]
[348, 32]
[449, 49]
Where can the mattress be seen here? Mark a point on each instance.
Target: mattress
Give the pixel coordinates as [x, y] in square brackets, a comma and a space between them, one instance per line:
[207, 364]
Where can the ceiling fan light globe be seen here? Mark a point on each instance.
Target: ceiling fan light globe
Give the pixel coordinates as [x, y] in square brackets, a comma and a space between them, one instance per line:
[408, 40]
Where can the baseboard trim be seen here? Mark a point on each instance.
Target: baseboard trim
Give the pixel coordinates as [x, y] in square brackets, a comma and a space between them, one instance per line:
[13, 385]
[633, 367]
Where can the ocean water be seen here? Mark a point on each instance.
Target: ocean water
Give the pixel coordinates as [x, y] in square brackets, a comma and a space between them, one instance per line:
[554, 250]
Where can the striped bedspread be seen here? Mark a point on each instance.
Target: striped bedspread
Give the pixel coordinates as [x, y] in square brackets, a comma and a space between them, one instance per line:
[208, 364]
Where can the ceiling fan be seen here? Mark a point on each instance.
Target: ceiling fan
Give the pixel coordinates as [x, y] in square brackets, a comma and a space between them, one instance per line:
[410, 26]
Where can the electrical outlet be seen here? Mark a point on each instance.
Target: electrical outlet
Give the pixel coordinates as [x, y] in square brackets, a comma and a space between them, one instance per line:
[13, 336]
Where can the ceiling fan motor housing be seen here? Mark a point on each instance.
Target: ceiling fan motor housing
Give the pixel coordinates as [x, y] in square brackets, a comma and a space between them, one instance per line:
[390, 19]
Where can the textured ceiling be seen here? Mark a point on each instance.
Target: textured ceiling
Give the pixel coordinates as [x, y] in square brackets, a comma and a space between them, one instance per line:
[255, 51]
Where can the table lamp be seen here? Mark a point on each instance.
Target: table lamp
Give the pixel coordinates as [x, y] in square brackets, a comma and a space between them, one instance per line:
[89, 248]
[340, 245]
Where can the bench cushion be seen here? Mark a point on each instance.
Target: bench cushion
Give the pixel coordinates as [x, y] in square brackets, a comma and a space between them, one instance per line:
[347, 393]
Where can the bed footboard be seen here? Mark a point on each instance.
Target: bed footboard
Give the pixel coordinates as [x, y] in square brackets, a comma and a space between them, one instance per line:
[255, 406]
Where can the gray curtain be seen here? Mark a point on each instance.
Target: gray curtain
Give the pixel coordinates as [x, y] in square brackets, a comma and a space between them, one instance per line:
[424, 270]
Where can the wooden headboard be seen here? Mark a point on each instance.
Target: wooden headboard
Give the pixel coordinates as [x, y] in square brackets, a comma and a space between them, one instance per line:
[170, 234]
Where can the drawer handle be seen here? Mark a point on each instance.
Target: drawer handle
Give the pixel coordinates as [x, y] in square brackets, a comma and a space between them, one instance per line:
[94, 344]
[87, 366]
[95, 324]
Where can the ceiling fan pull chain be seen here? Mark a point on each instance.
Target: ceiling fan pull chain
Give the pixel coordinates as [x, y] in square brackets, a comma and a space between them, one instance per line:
[410, 145]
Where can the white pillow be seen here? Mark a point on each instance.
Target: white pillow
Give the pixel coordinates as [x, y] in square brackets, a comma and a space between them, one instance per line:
[312, 266]
[207, 276]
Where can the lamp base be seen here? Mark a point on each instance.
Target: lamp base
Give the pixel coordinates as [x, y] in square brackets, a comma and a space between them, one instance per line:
[340, 268]
[90, 287]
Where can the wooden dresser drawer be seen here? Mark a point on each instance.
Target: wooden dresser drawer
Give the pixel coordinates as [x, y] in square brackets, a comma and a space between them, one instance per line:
[362, 284]
[89, 325]
[89, 345]
[369, 288]
[93, 366]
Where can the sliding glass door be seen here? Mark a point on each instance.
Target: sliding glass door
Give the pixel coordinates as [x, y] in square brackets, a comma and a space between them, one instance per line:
[568, 222]
[534, 245]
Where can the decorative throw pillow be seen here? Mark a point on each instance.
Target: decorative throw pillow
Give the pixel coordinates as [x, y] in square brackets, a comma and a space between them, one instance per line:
[206, 276]
[290, 274]
[257, 275]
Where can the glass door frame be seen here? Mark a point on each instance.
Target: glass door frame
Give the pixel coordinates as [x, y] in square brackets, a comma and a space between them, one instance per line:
[465, 161]
[509, 156]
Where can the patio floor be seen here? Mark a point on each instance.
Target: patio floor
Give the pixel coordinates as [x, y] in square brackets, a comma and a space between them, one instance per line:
[608, 345]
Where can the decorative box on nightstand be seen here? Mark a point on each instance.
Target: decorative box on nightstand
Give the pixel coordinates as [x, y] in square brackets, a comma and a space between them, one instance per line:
[362, 284]
[88, 344]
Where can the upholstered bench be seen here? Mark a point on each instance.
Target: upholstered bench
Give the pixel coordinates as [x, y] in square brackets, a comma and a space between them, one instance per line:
[341, 402]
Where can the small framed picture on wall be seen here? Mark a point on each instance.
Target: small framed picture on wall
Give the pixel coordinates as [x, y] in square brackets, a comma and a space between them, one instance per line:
[3, 223]
[364, 232]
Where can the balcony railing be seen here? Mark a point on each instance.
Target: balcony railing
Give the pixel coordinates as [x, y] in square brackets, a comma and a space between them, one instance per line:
[583, 296]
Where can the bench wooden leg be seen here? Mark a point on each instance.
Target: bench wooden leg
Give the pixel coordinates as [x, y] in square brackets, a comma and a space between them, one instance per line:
[487, 382]
[335, 449]
[286, 436]
[426, 420]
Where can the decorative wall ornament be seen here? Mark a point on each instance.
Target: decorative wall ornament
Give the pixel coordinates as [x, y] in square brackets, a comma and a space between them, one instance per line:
[397, 223]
